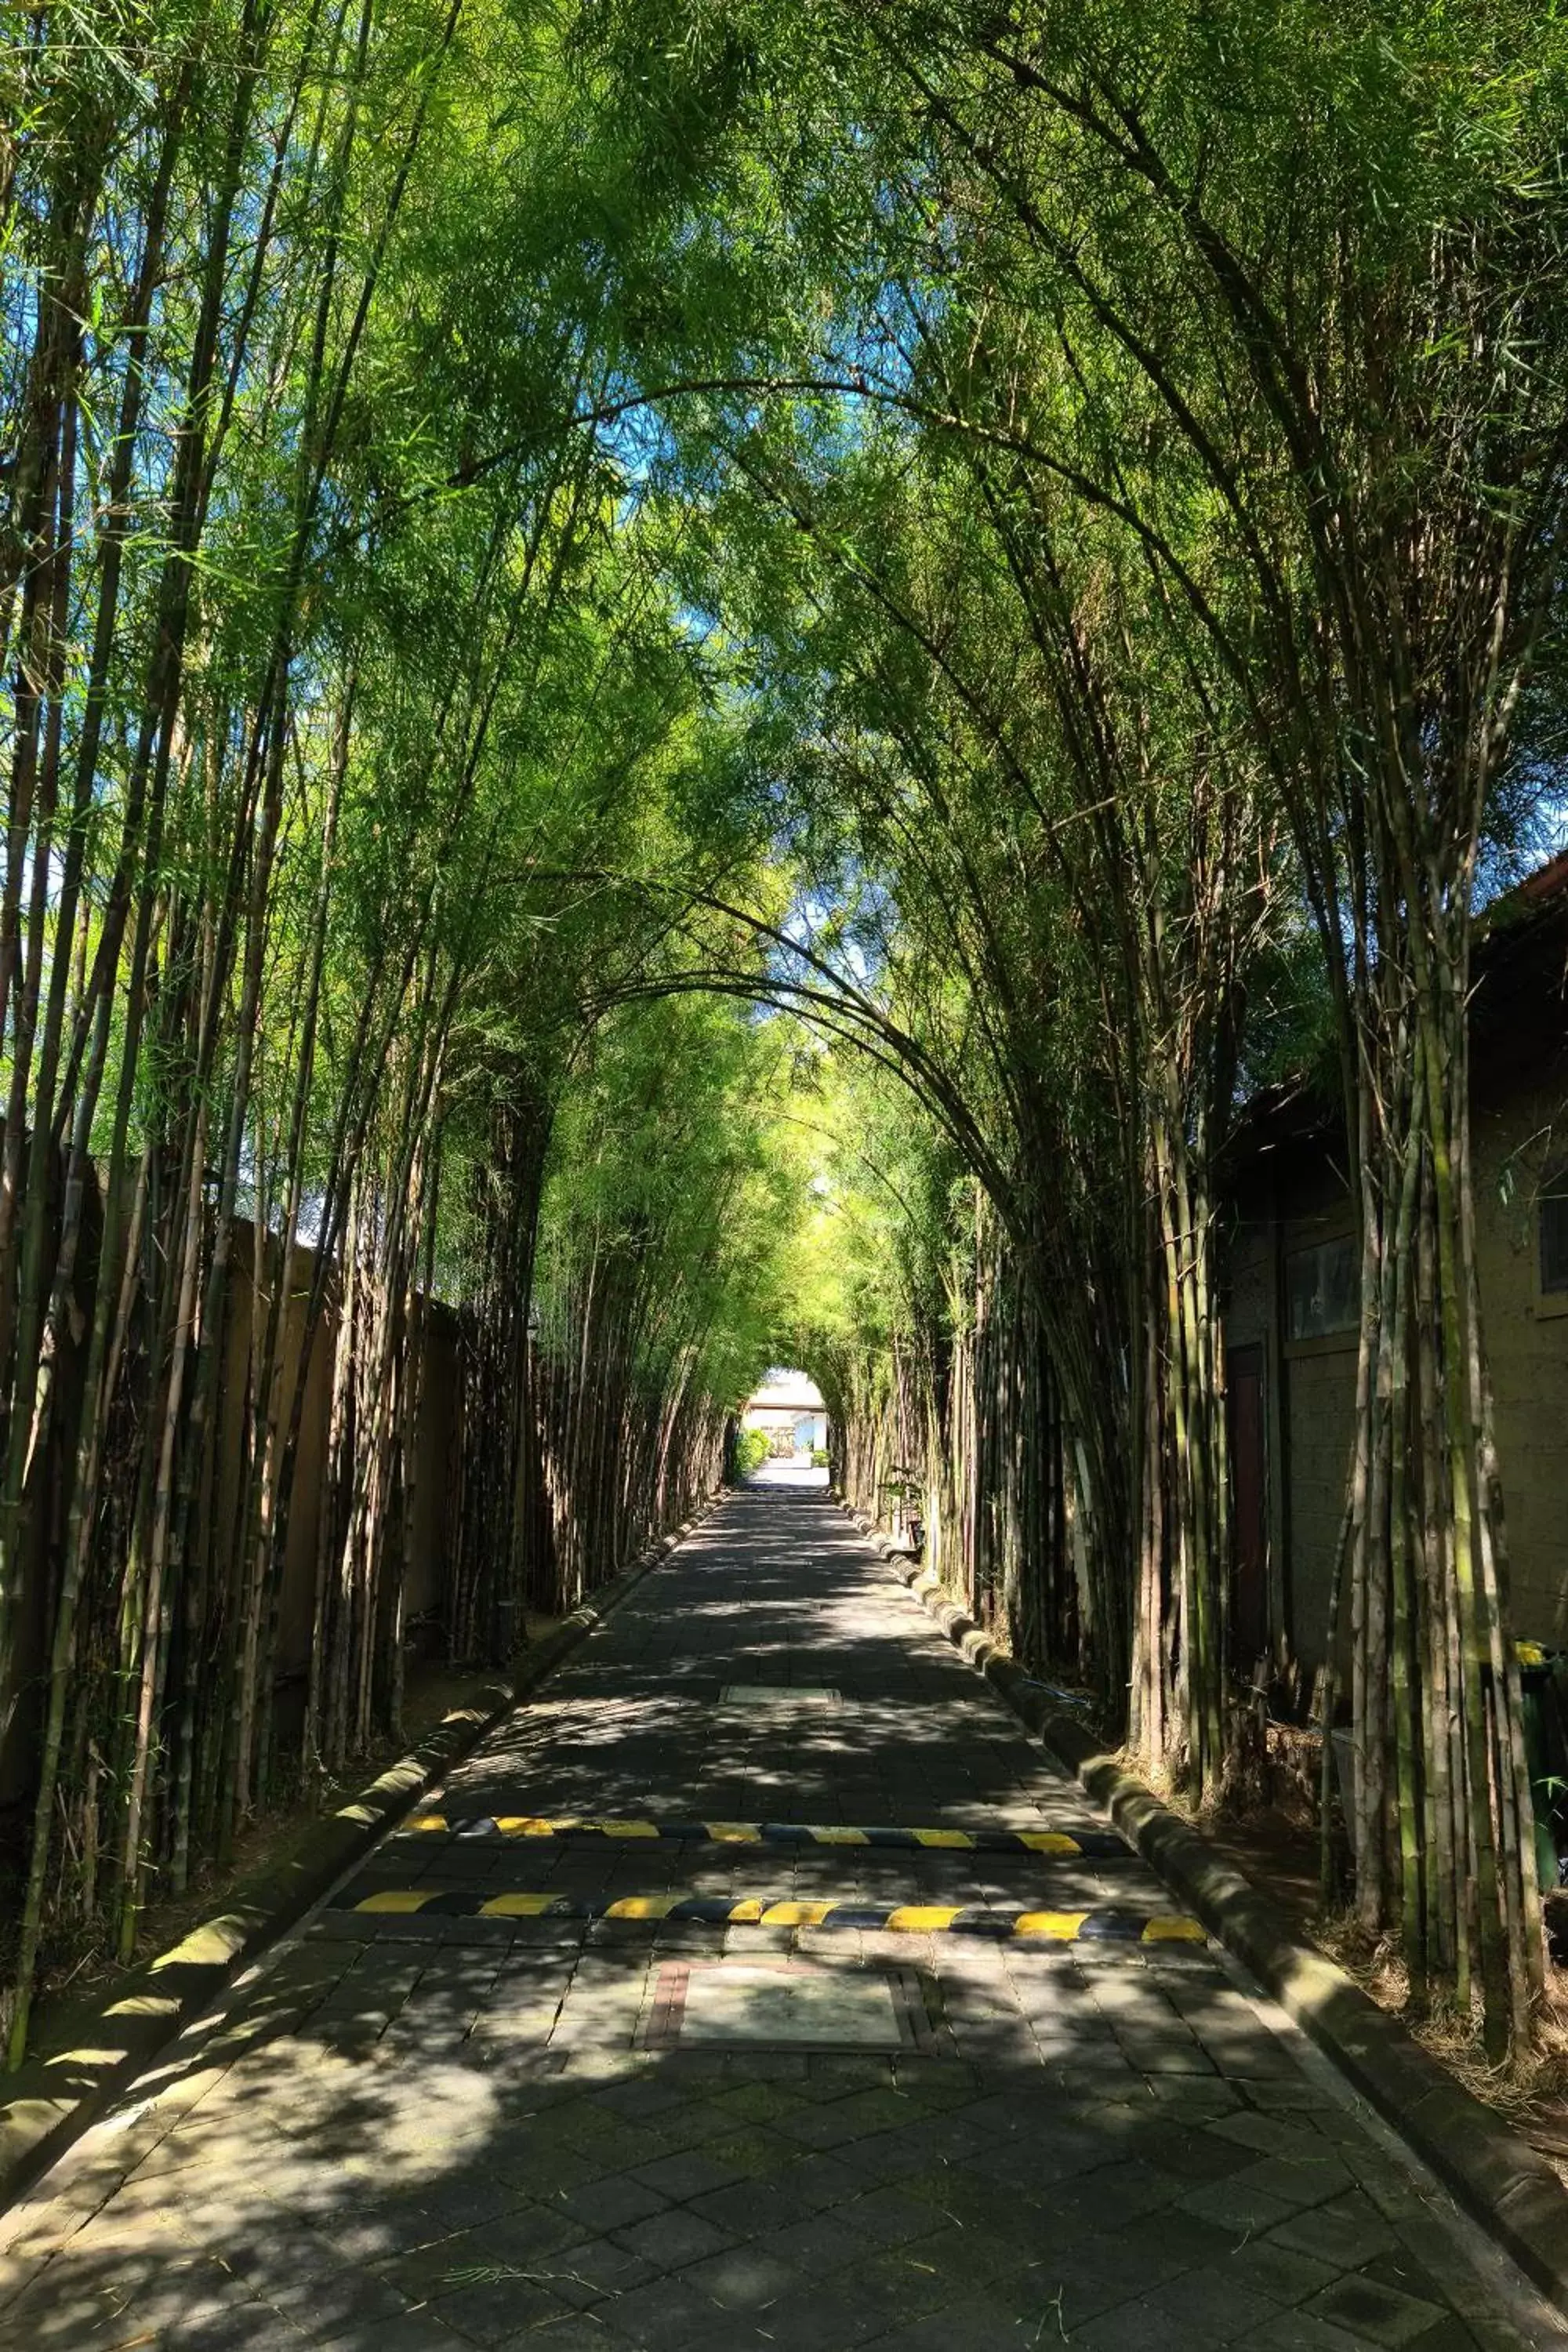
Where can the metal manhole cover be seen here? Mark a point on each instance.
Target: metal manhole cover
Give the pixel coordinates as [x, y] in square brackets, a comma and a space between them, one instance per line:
[781, 2004]
[778, 1695]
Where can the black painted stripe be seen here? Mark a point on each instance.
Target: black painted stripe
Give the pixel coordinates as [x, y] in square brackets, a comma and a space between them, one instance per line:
[1043, 1844]
[1107, 1924]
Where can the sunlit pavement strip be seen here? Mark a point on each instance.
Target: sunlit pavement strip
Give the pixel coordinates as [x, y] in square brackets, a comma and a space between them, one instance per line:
[778, 2004]
[556, 2104]
[777, 1695]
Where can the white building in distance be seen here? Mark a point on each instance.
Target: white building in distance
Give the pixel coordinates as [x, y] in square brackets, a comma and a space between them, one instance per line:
[789, 1411]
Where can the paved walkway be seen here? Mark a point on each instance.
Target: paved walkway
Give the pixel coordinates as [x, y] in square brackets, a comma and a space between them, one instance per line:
[451, 2120]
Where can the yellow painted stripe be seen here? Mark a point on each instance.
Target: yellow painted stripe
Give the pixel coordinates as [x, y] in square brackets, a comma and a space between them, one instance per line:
[538, 1826]
[909, 1918]
[1171, 1927]
[1063, 1925]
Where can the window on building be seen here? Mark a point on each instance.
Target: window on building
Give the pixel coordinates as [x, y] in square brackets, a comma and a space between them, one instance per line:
[1323, 1289]
[1555, 1232]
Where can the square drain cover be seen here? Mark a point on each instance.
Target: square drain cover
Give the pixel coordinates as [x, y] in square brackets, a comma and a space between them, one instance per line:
[780, 2004]
[778, 1695]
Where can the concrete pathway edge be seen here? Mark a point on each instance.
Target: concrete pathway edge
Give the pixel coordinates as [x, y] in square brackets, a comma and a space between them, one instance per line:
[52, 2100]
[1496, 2176]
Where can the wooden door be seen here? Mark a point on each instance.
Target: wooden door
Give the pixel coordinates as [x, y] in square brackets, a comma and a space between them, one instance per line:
[1249, 1510]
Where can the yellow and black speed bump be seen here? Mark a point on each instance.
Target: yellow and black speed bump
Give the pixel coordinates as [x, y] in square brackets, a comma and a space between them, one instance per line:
[1101, 1845]
[1107, 1924]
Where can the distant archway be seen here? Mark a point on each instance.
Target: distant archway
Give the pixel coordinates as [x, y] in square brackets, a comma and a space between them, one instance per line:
[788, 1409]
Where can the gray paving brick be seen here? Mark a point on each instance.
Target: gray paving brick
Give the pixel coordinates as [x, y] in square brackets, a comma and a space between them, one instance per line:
[1201, 2309]
[671, 2239]
[671, 2315]
[748, 2208]
[490, 2312]
[613, 2203]
[977, 2324]
[817, 2245]
[1275, 2271]
[579, 2332]
[582, 2275]
[1243, 2209]
[692, 2172]
[1345, 2233]
[1309, 2177]
[747, 2278]
[1293, 2331]
[1379, 2314]
[244, 2328]
[416, 2331]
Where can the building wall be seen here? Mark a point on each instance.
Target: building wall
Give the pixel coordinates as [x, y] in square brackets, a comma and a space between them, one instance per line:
[1299, 1199]
[808, 1428]
[1516, 1144]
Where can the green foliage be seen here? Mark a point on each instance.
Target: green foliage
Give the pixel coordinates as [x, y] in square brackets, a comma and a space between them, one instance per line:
[710, 679]
[752, 1451]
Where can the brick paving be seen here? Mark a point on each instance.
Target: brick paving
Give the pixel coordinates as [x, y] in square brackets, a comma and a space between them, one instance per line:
[418, 2134]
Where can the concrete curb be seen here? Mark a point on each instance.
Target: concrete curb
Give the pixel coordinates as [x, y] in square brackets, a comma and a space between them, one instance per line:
[52, 2099]
[1510, 2191]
